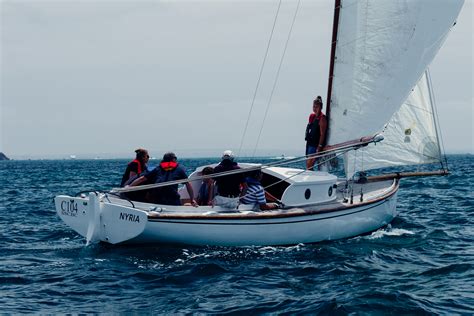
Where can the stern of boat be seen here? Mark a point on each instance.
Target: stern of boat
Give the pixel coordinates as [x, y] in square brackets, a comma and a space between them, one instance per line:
[96, 219]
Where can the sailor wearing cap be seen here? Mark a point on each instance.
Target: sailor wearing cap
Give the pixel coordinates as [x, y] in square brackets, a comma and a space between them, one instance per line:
[229, 186]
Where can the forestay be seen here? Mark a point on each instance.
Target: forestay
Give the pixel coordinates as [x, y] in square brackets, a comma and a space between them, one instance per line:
[383, 47]
[410, 137]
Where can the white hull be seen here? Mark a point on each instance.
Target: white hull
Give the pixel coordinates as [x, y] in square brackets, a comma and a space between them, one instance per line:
[272, 231]
[101, 218]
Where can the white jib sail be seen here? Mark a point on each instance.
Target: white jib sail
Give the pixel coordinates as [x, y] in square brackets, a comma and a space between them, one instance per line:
[410, 137]
[383, 47]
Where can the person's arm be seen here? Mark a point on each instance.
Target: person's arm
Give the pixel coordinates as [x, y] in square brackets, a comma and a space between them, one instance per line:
[268, 206]
[210, 194]
[133, 170]
[262, 202]
[244, 189]
[189, 187]
[323, 125]
[270, 197]
[138, 181]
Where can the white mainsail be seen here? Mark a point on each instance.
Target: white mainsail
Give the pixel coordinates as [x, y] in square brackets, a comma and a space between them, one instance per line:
[410, 137]
[383, 48]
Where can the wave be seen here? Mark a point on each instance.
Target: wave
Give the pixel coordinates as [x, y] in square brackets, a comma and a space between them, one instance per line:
[421, 264]
[390, 232]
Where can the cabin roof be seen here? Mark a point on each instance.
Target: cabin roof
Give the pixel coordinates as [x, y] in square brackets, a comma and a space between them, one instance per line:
[296, 176]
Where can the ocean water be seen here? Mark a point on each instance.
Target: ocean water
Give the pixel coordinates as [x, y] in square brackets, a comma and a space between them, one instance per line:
[420, 264]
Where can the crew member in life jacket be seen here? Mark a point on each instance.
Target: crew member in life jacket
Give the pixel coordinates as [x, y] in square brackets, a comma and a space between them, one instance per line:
[168, 170]
[315, 136]
[136, 167]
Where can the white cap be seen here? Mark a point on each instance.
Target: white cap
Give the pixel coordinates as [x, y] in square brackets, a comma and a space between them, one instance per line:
[228, 154]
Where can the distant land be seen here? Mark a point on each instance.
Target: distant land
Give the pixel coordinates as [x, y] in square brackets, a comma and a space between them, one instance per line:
[3, 156]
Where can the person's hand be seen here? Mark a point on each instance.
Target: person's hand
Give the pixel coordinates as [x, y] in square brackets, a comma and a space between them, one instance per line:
[274, 206]
[194, 203]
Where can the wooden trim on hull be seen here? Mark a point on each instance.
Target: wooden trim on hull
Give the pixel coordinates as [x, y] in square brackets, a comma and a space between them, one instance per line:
[265, 215]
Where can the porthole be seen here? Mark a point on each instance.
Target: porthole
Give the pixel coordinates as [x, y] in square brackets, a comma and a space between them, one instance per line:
[330, 191]
[307, 194]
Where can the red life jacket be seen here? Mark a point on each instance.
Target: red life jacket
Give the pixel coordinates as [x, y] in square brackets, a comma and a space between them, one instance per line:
[168, 165]
[139, 165]
[313, 132]
[313, 117]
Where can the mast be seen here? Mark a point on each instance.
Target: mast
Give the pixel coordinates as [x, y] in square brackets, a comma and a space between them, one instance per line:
[335, 26]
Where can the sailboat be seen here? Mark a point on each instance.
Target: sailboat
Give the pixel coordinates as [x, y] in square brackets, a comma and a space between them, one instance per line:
[380, 109]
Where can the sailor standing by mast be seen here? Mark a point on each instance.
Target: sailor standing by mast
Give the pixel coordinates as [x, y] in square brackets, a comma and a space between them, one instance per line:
[315, 132]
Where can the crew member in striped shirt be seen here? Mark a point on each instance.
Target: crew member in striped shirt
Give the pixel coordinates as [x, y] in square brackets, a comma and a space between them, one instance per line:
[255, 195]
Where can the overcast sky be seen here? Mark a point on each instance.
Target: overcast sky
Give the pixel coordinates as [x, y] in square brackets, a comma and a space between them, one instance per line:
[101, 78]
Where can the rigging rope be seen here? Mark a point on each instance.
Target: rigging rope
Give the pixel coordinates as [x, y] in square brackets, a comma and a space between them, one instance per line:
[436, 122]
[258, 81]
[221, 174]
[321, 162]
[276, 78]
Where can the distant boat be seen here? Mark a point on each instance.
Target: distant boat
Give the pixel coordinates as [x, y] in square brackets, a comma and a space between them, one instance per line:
[284, 157]
[378, 92]
[72, 157]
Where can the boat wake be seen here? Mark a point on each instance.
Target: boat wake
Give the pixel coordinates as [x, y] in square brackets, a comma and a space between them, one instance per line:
[241, 253]
[388, 231]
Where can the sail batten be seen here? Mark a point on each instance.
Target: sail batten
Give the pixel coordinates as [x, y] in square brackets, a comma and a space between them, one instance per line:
[381, 51]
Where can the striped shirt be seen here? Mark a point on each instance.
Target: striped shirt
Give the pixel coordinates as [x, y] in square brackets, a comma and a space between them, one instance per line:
[254, 195]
